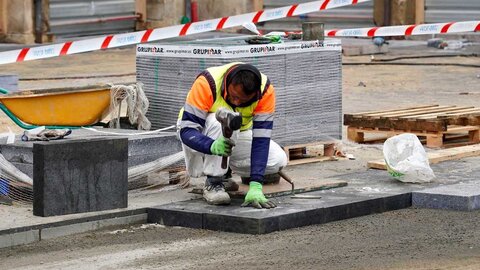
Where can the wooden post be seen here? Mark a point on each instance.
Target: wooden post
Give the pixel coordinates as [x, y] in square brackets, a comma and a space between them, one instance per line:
[254, 5]
[419, 11]
[141, 9]
[20, 23]
[474, 136]
[3, 19]
[380, 12]
[354, 135]
[435, 141]
[398, 12]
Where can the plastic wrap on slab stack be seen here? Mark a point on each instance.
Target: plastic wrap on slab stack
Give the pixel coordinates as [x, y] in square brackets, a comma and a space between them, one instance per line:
[306, 76]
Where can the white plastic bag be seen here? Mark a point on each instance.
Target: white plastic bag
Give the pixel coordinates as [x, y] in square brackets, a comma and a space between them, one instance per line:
[406, 159]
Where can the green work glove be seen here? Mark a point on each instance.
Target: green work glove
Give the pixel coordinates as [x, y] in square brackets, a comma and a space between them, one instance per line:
[275, 39]
[256, 198]
[222, 147]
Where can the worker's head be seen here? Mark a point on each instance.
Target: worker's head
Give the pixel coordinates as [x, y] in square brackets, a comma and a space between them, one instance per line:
[243, 84]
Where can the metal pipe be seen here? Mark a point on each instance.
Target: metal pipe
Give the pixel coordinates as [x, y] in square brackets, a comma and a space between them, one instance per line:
[96, 20]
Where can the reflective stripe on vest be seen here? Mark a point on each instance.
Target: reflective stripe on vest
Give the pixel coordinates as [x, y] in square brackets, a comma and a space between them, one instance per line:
[218, 74]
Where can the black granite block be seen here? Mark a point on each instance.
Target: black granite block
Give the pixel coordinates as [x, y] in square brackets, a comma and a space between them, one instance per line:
[399, 201]
[76, 176]
[301, 219]
[365, 207]
[229, 223]
[290, 213]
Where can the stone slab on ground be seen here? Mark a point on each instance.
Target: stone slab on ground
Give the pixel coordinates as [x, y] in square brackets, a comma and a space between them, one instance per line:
[76, 176]
[34, 233]
[290, 213]
[461, 196]
[141, 148]
[368, 192]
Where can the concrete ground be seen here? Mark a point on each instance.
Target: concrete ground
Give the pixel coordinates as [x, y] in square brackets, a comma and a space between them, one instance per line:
[404, 239]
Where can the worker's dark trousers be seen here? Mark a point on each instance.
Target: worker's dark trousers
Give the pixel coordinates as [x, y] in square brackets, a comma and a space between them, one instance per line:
[199, 164]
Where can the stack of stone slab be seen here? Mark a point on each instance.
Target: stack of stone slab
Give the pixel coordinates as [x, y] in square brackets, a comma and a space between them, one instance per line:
[306, 76]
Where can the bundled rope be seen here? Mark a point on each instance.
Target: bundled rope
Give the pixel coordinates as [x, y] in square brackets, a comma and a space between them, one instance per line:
[137, 105]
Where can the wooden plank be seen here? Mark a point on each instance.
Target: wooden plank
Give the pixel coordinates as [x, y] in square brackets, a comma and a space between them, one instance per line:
[396, 132]
[420, 112]
[450, 113]
[462, 114]
[311, 160]
[458, 129]
[401, 112]
[403, 124]
[438, 156]
[464, 120]
[435, 114]
[474, 110]
[433, 139]
[395, 110]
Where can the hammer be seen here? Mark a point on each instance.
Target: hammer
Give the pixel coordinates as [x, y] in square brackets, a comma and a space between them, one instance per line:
[230, 122]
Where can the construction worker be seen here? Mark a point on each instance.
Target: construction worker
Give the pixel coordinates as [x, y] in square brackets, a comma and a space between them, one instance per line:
[242, 88]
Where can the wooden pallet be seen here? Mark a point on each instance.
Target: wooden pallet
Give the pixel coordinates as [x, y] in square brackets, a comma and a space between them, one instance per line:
[310, 152]
[435, 123]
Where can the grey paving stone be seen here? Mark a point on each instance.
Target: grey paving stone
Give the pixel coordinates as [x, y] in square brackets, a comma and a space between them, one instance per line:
[290, 213]
[76, 176]
[461, 196]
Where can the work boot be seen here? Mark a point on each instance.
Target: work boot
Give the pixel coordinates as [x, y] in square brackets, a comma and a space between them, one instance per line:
[230, 185]
[214, 191]
[228, 182]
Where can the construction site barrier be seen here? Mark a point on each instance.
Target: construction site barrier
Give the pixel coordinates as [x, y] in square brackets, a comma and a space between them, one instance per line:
[408, 30]
[114, 41]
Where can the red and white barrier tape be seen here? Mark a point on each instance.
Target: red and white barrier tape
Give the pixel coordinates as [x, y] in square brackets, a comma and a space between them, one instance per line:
[113, 41]
[402, 30]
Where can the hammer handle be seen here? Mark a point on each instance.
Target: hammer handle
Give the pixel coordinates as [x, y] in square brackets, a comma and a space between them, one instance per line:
[224, 162]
